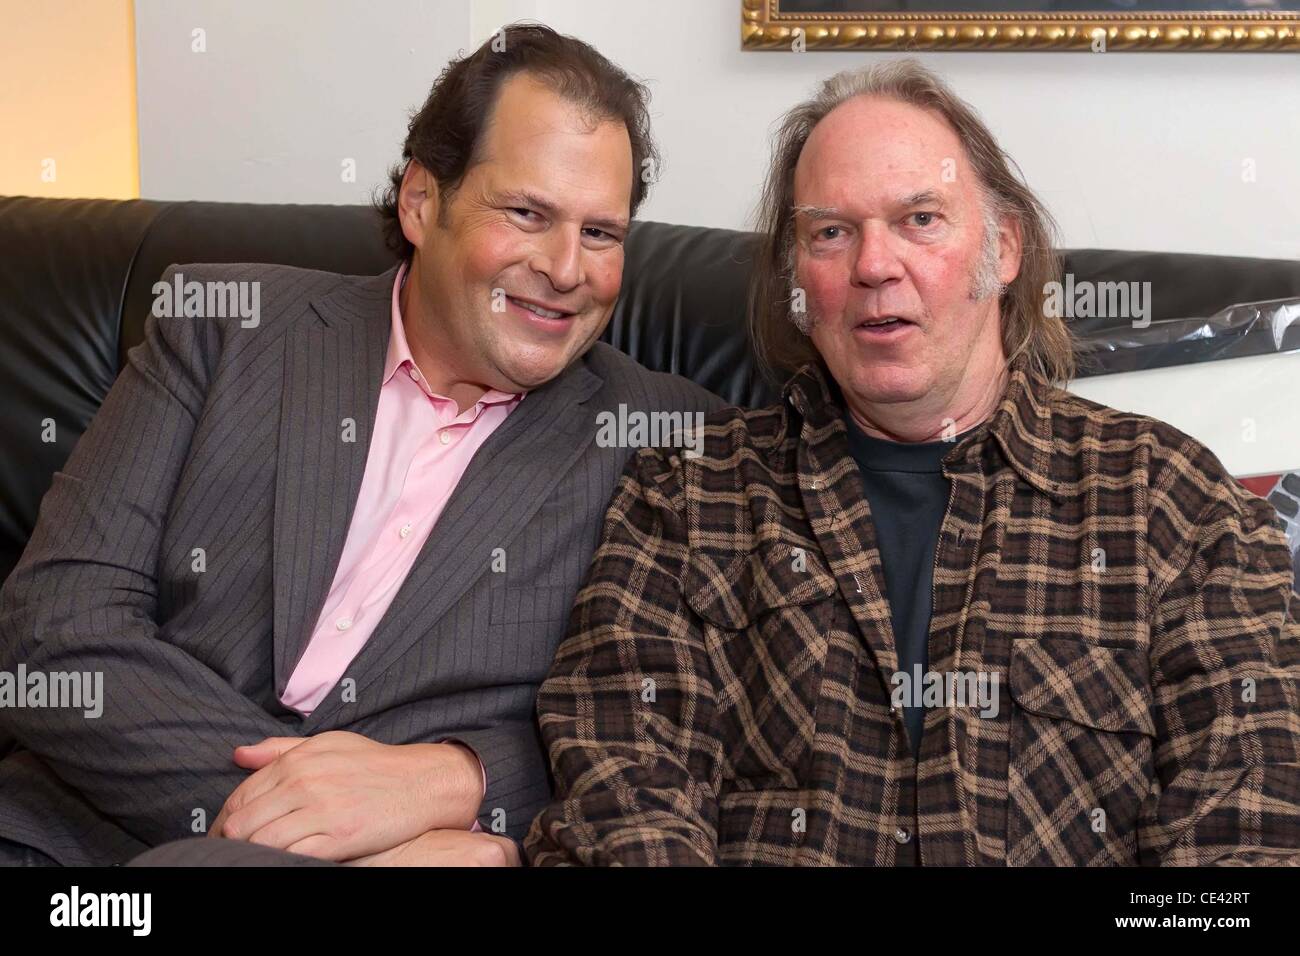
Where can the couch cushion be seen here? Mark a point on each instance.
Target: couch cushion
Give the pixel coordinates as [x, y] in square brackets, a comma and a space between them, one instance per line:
[344, 239]
[63, 266]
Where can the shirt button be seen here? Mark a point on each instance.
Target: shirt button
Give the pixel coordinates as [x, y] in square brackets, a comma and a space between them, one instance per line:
[343, 623]
[444, 436]
[902, 835]
[414, 373]
[405, 530]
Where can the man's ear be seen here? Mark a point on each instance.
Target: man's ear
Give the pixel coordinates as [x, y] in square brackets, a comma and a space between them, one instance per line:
[1010, 239]
[417, 203]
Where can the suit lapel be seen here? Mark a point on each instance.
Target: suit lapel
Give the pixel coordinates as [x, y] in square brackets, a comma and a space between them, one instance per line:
[334, 359]
[506, 482]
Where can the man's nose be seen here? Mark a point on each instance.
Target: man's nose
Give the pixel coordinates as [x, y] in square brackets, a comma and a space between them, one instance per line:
[877, 261]
[559, 257]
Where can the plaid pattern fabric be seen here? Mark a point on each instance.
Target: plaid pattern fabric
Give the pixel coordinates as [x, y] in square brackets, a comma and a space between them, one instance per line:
[724, 692]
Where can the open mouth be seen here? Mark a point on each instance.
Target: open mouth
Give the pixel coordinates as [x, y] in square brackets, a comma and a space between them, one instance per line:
[538, 310]
[888, 323]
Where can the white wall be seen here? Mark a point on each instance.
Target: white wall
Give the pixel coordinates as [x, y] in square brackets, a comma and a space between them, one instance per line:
[1246, 410]
[284, 94]
[1130, 150]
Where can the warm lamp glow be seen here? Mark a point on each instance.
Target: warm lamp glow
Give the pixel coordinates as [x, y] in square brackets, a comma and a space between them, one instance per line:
[67, 99]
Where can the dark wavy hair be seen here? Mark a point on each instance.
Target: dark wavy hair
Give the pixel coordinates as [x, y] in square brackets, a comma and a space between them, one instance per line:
[443, 136]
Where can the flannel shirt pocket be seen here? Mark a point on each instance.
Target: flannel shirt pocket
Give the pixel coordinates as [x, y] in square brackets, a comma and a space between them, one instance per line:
[1081, 739]
[767, 615]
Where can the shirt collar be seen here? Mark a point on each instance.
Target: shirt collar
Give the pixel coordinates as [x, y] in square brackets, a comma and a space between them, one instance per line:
[1021, 425]
[399, 350]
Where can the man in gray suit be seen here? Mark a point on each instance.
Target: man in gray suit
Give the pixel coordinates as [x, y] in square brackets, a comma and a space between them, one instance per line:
[319, 547]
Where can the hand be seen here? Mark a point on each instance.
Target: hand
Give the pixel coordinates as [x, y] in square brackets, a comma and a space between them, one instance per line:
[340, 795]
[447, 848]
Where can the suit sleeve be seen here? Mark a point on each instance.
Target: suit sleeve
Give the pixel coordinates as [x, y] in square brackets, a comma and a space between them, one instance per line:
[628, 710]
[514, 775]
[84, 599]
[1225, 659]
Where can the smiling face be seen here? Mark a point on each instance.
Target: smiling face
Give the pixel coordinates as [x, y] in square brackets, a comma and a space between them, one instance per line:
[517, 274]
[889, 234]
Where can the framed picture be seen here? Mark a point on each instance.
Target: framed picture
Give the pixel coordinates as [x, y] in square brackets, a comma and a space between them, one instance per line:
[1080, 25]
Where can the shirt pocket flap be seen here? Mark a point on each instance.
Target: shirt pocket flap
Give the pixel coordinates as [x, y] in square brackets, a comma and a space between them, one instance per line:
[1106, 688]
[731, 590]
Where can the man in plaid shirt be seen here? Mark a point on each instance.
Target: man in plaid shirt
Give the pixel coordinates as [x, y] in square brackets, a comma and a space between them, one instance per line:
[931, 609]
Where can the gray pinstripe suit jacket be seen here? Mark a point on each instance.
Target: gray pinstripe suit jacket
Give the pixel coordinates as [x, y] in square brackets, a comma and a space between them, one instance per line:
[229, 439]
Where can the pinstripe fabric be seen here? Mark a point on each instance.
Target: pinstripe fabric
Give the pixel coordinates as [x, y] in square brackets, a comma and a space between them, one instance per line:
[724, 692]
[201, 851]
[232, 440]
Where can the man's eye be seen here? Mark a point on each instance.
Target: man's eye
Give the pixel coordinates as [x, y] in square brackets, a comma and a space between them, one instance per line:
[830, 232]
[923, 218]
[595, 233]
[522, 212]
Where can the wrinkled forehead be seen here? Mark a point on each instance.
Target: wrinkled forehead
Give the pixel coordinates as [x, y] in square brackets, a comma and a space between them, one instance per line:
[537, 139]
[873, 150]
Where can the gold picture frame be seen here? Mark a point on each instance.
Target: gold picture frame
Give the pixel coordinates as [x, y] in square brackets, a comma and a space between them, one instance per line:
[765, 27]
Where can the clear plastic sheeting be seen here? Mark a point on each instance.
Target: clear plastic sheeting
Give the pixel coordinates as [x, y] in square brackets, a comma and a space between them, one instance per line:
[1285, 497]
[1104, 346]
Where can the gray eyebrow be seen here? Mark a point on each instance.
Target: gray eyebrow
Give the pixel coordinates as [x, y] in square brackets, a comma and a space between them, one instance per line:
[818, 212]
[923, 198]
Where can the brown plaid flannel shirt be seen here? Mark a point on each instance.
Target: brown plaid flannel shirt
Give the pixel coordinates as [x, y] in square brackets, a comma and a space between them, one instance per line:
[723, 695]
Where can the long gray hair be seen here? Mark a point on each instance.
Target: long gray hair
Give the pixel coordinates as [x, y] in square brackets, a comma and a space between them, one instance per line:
[1026, 330]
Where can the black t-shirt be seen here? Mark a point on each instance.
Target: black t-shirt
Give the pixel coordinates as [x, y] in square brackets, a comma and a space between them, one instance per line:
[908, 494]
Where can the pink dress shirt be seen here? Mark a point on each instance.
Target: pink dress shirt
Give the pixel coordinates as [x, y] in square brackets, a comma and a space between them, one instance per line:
[420, 448]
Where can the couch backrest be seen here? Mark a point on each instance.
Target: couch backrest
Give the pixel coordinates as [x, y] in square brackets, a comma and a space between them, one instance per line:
[76, 278]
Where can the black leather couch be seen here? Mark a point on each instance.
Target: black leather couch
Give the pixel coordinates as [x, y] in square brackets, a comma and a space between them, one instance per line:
[76, 278]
